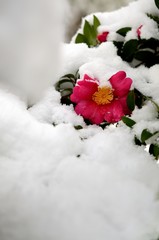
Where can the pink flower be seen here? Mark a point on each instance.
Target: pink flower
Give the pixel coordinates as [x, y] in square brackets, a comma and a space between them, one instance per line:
[102, 37]
[98, 103]
[138, 31]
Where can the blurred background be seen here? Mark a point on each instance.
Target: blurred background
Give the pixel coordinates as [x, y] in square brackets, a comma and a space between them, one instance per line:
[81, 8]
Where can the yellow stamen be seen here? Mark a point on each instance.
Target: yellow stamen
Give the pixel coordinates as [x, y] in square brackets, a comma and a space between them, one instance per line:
[103, 96]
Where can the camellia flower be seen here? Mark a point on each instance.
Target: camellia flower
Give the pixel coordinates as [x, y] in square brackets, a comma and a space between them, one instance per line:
[102, 37]
[102, 103]
[138, 31]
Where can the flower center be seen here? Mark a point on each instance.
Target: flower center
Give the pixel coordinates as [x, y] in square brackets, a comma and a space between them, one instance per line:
[103, 96]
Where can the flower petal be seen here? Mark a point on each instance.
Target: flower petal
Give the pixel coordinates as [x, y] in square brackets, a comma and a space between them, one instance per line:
[138, 31]
[102, 37]
[91, 111]
[86, 77]
[120, 84]
[113, 112]
[83, 91]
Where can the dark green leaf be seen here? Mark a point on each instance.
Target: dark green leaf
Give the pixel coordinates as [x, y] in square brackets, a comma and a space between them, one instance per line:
[104, 125]
[146, 57]
[131, 100]
[129, 50]
[137, 141]
[78, 127]
[68, 76]
[154, 150]
[128, 121]
[65, 81]
[155, 18]
[145, 135]
[139, 98]
[151, 43]
[157, 3]
[81, 39]
[124, 31]
[66, 100]
[88, 122]
[119, 46]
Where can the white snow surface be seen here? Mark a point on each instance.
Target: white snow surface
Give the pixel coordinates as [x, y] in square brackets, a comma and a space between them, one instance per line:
[48, 192]
[57, 183]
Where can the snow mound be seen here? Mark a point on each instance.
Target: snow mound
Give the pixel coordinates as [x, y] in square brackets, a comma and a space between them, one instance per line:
[53, 185]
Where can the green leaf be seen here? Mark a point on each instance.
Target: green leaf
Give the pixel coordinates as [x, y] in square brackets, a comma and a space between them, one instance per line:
[119, 46]
[157, 3]
[78, 127]
[155, 18]
[66, 92]
[145, 135]
[137, 141]
[96, 22]
[68, 76]
[146, 57]
[156, 105]
[131, 100]
[81, 39]
[128, 121]
[87, 29]
[139, 98]
[89, 33]
[77, 75]
[154, 150]
[65, 82]
[129, 50]
[124, 31]
[103, 125]
[151, 43]
[66, 100]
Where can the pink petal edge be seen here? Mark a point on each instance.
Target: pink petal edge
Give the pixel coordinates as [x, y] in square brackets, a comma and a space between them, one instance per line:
[120, 84]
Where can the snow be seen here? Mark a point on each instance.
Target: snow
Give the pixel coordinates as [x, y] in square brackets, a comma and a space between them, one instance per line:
[48, 192]
[112, 21]
[58, 183]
